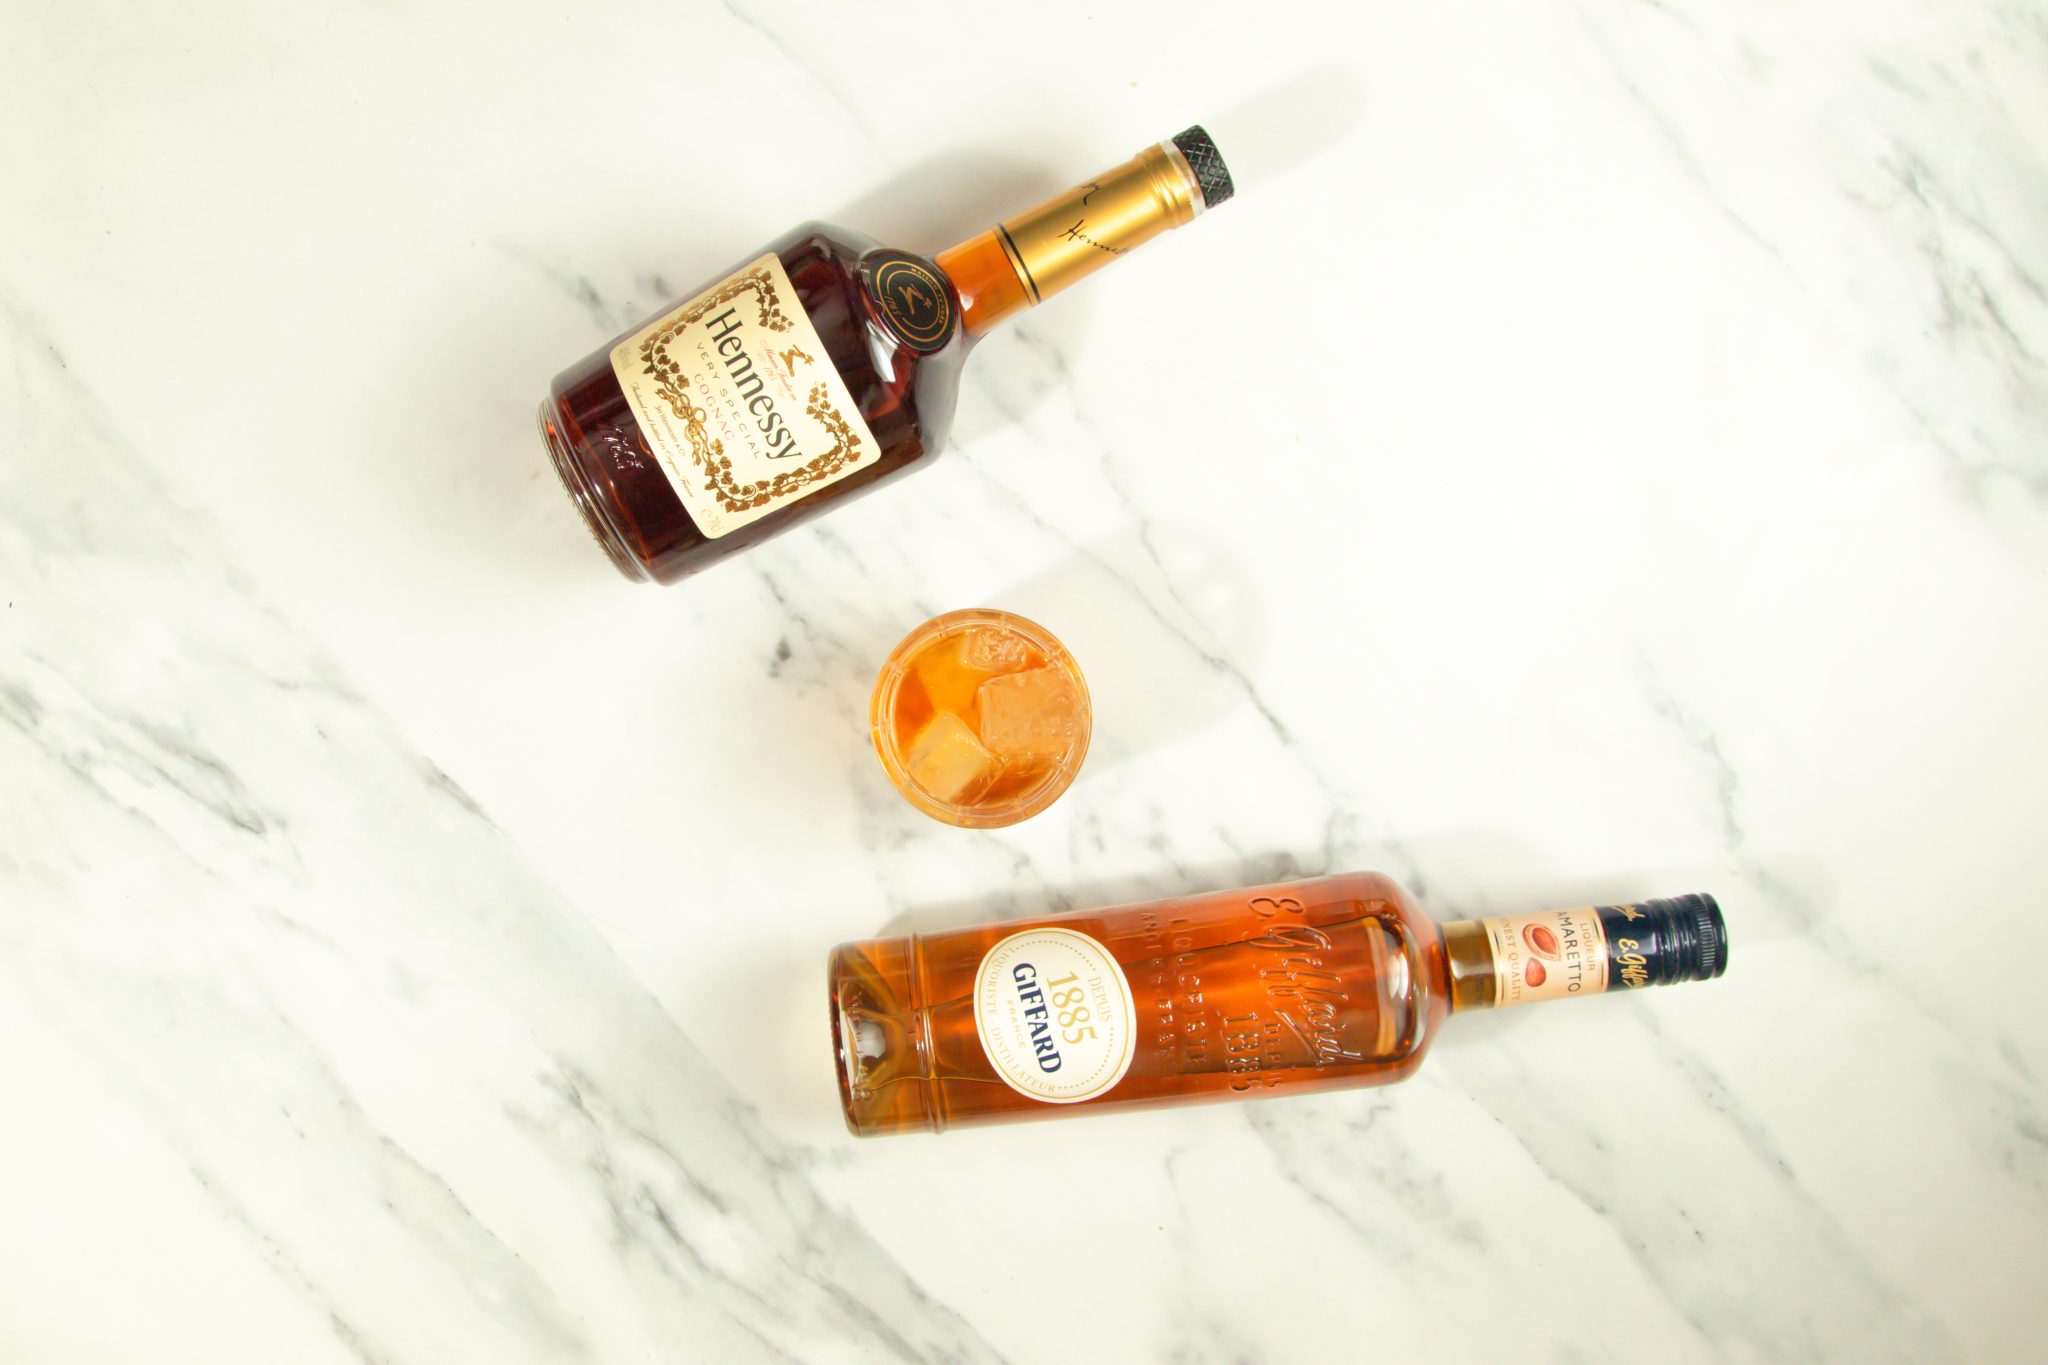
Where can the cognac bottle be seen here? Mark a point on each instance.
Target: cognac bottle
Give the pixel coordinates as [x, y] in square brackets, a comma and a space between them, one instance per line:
[824, 366]
[1287, 989]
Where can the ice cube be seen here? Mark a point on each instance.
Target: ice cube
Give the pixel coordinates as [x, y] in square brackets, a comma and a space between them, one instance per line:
[1034, 714]
[948, 762]
[993, 650]
[947, 679]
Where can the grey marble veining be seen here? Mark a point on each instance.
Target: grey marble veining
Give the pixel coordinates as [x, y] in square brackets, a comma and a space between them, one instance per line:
[377, 1042]
[1611, 464]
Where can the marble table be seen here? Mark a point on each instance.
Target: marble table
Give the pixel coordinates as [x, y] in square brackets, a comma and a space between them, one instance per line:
[1612, 463]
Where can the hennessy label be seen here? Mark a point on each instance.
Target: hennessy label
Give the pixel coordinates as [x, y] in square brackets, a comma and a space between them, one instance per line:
[1547, 956]
[736, 398]
[1055, 1015]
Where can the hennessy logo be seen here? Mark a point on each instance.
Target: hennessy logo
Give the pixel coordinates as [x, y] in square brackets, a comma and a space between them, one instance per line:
[1094, 188]
[1076, 234]
[790, 357]
[915, 300]
[728, 335]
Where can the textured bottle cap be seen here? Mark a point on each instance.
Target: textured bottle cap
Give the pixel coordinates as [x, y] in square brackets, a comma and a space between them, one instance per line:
[1207, 164]
[1661, 942]
[1713, 937]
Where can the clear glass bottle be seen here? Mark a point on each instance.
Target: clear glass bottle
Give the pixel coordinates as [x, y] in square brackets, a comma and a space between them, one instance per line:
[823, 367]
[1286, 989]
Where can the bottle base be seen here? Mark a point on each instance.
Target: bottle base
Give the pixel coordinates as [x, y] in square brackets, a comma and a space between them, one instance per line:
[881, 1041]
[577, 484]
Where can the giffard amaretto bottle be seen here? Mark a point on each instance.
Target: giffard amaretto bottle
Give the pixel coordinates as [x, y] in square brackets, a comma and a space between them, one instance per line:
[1304, 986]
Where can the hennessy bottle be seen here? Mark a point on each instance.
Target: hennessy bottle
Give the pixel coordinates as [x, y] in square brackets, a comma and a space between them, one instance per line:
[1286, 989]
[824, 366]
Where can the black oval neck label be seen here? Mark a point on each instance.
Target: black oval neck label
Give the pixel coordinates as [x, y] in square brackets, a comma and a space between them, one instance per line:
[913, 298]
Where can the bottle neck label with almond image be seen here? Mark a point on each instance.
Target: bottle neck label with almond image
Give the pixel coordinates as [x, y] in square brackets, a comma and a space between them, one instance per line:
[1547, 956]
[1560, 953]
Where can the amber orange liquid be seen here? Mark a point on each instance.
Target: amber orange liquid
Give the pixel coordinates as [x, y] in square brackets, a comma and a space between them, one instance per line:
[1303, 986]
[914, 708]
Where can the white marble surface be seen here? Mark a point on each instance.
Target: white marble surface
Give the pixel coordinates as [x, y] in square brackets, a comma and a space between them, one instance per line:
[1617, 465]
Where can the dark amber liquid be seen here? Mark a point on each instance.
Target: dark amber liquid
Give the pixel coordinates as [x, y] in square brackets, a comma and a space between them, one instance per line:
[1281, 989]
[905, 398]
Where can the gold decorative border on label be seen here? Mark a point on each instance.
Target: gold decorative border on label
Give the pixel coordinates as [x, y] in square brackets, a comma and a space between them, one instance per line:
[708, 453]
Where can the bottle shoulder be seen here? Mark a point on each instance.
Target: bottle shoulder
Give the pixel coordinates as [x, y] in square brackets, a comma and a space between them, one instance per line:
[1377, 891]
[892, 322]
[903, 294]
[819, 238]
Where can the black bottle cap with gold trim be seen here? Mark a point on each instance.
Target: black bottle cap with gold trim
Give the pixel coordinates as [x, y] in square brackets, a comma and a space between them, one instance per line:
[1663, 942]
[1207, 163]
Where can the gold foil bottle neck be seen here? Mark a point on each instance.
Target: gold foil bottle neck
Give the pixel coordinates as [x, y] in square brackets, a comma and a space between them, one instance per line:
[1075, 234]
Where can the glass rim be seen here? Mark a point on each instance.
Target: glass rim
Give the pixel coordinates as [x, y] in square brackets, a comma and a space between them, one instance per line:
[1025, 804]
